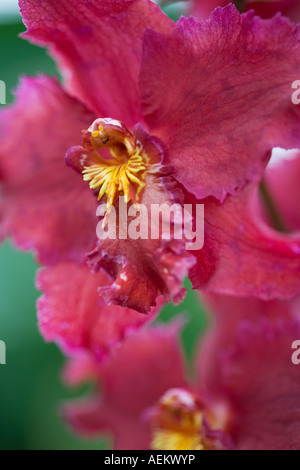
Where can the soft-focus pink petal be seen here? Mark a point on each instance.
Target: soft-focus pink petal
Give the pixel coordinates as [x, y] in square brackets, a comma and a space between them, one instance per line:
[72, 313]
[147, 365]
[228, 314]
[264, 8]
[283, 182]
[80, 368]
[44, 205]
[267, 397]
[201, 9]
[218, 93]
[242, 255]
[98, 44]
[247, 360]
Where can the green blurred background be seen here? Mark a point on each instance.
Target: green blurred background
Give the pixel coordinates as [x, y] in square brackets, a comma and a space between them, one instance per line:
[30, 386]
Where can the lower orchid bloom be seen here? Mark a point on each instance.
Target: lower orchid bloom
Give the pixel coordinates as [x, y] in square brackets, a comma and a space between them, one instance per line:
[250, 353]
[245, 394]
[264, 8]
[150, 405]
[186, 112]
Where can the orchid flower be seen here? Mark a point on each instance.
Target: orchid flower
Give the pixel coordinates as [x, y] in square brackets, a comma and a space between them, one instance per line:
[151, 111]
[245, 393]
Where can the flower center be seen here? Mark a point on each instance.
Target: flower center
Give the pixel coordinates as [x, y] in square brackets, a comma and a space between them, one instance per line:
[124, 171]
[180, 421]
[177, 422]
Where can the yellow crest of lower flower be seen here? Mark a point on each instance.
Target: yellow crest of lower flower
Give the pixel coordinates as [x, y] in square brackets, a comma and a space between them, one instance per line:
[175, 440]
[177, 422]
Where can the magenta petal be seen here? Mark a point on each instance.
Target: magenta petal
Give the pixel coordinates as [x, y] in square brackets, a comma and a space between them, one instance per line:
[132, 380]
[44, 205]
[242, 255]
[98, 44]
[229, 314]
[80, 368]
[201, 9]
[283, 182]
[264, 8]
[217, 93]
[72, 313]
[247, 359]
[267, 397]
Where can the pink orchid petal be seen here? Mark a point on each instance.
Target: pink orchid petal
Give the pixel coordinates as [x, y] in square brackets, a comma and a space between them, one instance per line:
[218, 93]
[283, 182]
[267, 9]
[264, 8]
[247, 360]
[80, 368]
[98, 45]
[201, 9]
[132, 381]
[242, 255]
[72, 313]
[44, 205]
[227, 315]
[267, 397]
